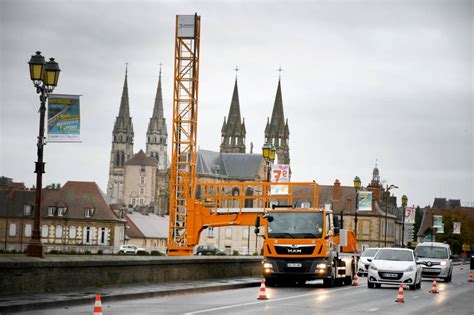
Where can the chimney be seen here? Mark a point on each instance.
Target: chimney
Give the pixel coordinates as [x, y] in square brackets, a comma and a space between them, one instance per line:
[336, 190]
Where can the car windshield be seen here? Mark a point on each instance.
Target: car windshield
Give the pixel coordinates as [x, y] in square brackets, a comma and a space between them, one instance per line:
[370, 252]
[295, 225]
[395, 255]
[432, 252]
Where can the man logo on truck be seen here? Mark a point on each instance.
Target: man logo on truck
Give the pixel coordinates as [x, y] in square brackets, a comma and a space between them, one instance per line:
[294, 250]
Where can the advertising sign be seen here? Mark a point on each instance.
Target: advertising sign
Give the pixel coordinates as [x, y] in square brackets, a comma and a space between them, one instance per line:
[186, 26]
[456, 227]
[410, 215]
[364, 201]
[280, 174]
[64, 119]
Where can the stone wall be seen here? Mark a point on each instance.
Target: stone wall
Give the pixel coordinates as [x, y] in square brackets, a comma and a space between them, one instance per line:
[22, 275]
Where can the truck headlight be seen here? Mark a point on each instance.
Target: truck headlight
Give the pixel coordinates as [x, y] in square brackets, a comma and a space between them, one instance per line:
[267, 265]
[443, 263]
[321, 266]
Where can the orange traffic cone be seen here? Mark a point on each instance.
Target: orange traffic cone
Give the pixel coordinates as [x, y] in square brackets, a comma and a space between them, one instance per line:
[262, 293]
[356, 280]
[400, 298]
[434, 288]
[471, 278]
[97, 305]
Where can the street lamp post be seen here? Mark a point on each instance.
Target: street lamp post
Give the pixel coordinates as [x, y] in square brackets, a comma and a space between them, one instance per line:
[357, 185]
[45, 78]
[387, 198]
[404, 205]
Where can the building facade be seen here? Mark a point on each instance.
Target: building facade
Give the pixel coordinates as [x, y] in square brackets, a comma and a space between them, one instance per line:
[75, 217]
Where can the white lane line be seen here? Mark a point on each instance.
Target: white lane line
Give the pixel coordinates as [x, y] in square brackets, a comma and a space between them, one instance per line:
[373, 309]
[267, 301]
[416, 296]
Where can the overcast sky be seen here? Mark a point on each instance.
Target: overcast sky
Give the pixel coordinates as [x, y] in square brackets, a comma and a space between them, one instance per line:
[361, 80]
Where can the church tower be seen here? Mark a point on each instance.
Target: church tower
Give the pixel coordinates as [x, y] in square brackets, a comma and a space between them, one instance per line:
[157, 134]
[277, 131]
[157, 147]
[122, 146]
[233, 130]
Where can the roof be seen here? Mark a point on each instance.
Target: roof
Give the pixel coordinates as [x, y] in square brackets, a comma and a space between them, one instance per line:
[75, 196]
[147, 226]
[141, 158]
[442, 203]
[233, 165]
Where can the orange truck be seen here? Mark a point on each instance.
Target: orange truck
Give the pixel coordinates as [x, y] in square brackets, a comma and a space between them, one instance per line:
[306, 244]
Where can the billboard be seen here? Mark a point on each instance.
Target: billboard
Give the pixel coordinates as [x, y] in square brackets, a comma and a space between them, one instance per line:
[410, 215]
[364, 201]
[438, 223]
[64, 119]
[280, 173]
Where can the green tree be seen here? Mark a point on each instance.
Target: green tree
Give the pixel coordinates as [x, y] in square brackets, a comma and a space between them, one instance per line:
[418, 217]
[5, 181]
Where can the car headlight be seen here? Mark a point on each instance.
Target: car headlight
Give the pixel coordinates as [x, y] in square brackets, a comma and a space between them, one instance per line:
[372, 267]
[443, 263]
[321, 266]
[410, 268]
[267, 265]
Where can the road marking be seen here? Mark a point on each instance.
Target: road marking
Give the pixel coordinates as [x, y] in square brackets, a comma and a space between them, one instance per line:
[373, 309]
[416, 296]
[267, 301]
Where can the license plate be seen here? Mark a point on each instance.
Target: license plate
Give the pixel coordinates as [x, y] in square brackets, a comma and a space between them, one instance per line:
[391, 275]
[294, 265]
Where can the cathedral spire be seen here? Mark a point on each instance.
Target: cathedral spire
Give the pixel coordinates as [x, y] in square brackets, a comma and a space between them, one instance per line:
[124, 104]
[158, 108]
[233, 129]
[278, 117]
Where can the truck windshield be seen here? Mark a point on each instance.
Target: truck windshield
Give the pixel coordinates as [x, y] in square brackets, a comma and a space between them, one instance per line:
[296, 225]
[431, 252]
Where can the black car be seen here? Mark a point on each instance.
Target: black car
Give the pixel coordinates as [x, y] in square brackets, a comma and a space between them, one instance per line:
[208, 250]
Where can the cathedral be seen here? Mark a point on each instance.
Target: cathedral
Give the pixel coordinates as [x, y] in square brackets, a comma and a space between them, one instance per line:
[142, 179]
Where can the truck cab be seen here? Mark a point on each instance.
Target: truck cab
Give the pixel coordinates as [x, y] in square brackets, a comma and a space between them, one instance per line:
[305, 244]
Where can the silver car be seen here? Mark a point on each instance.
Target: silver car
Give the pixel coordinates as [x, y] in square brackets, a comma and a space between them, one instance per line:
[435, 258]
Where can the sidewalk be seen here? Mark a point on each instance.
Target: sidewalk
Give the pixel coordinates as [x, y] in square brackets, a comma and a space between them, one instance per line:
[45, 300]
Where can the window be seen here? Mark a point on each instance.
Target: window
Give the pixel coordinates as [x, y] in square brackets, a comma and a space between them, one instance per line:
[88, 212]
[365, 227]
[142, 169]
[228, 233]
[44, 231]
[51, 211]
[142, 191]
[28, 230]
[87, 235]
[61, 211]
[59, 231]
[103, 236]
[72, 232]
[27, 209]
[142, 180]
[12, 231]
[210, 231]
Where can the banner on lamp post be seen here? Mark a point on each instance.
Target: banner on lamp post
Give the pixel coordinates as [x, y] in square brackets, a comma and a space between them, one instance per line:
[456, 227]
[410, 215]
[280, 174]
[64, 119]
[364, 201]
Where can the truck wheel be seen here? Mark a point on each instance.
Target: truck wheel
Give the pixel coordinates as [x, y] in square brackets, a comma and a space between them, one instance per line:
[328, 282]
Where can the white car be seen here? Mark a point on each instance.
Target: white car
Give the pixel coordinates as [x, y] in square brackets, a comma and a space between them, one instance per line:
[131, 249]
[435, 259]
[394, 266]
[365, 260]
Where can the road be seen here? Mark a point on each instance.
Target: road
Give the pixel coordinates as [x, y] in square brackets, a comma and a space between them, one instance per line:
[456, 297]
